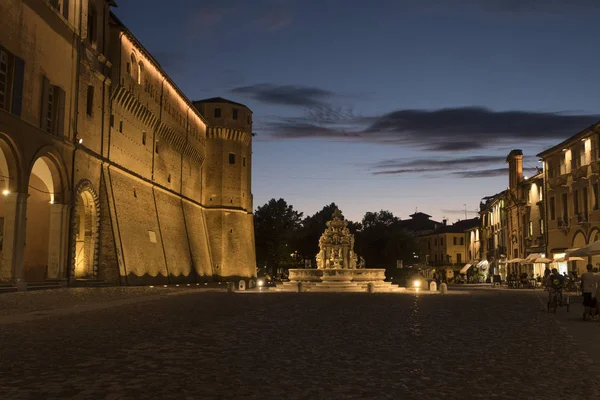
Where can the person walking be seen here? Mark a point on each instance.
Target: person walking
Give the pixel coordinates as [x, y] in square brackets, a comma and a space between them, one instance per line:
[588, 288]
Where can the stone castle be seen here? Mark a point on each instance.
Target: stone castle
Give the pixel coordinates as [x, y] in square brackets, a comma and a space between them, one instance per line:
[107, 171]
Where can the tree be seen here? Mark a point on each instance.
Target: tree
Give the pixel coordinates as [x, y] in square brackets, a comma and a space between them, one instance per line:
[382, 241]
[276, 226]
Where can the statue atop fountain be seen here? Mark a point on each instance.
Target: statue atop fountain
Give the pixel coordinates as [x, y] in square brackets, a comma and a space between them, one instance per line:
[336, 245]
[339, 268]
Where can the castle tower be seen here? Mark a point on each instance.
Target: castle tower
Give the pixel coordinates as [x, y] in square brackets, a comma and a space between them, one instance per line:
[226, 186]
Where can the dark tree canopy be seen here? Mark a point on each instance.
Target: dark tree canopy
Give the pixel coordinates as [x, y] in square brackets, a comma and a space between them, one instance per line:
[276, 226]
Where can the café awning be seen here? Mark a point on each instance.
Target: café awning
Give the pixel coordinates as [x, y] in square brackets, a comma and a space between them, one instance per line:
[465, 268]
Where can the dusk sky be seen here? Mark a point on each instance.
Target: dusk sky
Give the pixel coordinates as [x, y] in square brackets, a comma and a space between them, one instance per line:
[385, 104]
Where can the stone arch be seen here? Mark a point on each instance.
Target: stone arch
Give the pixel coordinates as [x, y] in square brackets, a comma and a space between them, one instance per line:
[10, 215]
[579, 239]
[10, 173]
[46, 217]
[594, 235]
[88, 240]
[57, 180]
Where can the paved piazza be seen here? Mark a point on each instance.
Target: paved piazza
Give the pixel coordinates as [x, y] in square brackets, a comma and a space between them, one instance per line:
[196, 344]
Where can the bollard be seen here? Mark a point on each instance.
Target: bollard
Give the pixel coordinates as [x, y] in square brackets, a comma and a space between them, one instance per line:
[230, 287]
[433, 286]
[443, 288]
[299, 287]
[371, 287]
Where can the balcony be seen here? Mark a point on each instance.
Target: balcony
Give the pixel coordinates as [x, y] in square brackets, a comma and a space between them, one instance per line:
[563, 223]
[583, 219]
[580, 172]
[558, 181]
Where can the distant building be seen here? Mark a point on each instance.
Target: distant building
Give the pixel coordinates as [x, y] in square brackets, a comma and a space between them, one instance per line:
[494, 240]
[449, 245]
[420, 224]
[572, 195]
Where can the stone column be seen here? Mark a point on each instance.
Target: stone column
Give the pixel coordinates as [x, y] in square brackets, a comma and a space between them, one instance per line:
[57, 244]
[13, 247]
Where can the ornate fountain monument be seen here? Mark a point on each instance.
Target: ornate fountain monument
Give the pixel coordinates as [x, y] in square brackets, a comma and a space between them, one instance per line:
[339, 268]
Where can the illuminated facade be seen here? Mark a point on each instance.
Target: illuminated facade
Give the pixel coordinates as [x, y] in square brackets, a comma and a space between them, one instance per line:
[451, 245]
[494, 223]
[571, 195]
[525, 213]
[109, 172]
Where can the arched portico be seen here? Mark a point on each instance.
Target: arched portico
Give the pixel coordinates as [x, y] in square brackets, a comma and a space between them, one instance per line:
[46, 224]
[11, 210]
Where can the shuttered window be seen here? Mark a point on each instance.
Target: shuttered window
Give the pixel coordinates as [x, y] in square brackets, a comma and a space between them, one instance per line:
[12, 74]
[52, 114]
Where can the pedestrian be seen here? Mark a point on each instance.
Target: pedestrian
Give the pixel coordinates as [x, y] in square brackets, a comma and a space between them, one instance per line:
[588, 288]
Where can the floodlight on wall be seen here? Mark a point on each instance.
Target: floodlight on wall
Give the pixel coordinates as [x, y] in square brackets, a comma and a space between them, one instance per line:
[80, 141]
[6, 192]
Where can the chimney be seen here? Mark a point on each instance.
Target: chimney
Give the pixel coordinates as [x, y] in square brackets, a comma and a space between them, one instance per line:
[515, 168]
[444, 221]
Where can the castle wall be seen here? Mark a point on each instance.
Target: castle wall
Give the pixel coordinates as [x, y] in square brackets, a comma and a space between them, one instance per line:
[198, 239]
[138, 229]
[174, 235]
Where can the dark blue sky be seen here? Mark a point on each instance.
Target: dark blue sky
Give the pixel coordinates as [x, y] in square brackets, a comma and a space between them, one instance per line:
[383, 104]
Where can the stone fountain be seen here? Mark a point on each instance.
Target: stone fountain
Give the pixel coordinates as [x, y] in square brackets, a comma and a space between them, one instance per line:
[339, 268]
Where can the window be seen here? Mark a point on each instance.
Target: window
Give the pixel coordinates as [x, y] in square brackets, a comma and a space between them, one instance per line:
[595, 189]
[112, 120]
[584, 196]
[530, 231]
[12, 72]
[132, 68]
[565, 207]
[52, 115]
[169, 178]
[454, 241]
[458, 258]
[57, 6]
[234, 113]
[541, 226]
[90, 100]
[217, 112]
[248, 119]
[576, 202]
[231, 158]
[140, 72]
[529, 196]
[540, 193]
[128, 68]
[435, 242]
[441, 241]
[121, 126]
[156, 147]
[462, 241]
[552, 209]
[144, 138]
[92, 24]
[244, 161]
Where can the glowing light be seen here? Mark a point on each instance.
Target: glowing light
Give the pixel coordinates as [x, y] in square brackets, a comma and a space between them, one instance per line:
[260, 282]
[417, 283]
[5, 192]
[151, 286]
[80, 141]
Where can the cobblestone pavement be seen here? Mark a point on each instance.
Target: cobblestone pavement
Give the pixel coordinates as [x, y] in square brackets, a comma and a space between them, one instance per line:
[480, 344]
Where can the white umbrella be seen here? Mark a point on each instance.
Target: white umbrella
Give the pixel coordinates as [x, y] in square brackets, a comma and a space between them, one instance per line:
[589, 250]
[567, 258]
[543, 260]
[516, 260]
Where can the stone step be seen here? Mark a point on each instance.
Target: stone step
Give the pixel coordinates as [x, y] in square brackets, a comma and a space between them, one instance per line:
[88, 283]
[7, 288]
[43, 285]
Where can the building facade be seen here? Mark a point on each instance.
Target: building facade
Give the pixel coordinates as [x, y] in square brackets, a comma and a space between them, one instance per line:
[571, 195]
[109, 171]
[525, 216]
[494, 233]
